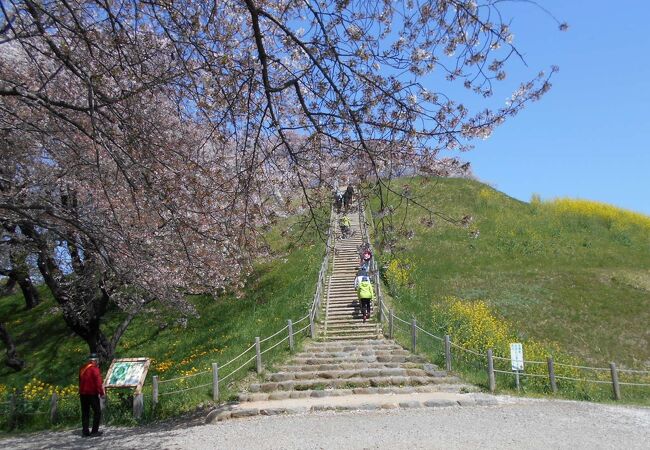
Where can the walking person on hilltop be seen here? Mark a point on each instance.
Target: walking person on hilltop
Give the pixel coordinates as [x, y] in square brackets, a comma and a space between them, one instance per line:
[90, 389]
[366, 295]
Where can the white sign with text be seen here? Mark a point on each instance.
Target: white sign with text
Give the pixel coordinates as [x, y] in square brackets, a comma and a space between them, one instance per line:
[517, 356]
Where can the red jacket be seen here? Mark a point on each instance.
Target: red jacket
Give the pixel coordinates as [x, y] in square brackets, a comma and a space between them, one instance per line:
[90, 380]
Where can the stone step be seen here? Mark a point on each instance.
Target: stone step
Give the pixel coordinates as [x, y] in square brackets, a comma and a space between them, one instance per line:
[335, 337]
[347, 366]
[345, 315]
[382, 346]
[316, 360]
[345, 374]
[344, 320]
[356, 326]
[324, 383]
[352, 334]
[341, 308]
[382, 390]
[369, 342]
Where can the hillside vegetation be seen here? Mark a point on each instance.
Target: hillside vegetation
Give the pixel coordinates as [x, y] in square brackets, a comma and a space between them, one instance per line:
[280, 288]
[571, 276]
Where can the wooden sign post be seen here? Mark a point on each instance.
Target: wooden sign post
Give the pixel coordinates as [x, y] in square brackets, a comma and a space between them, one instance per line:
[129, 373]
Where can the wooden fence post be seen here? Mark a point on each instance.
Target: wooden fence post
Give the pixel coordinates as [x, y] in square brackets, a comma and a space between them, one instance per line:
[312, 329]
[258, 355]
[491, 379]
[414, 335]
[290, 326]
[53, 407]
[447, 353]
[154, 394]
[551, 374]
[215, 382]
[615, 386]
[391, 319]
[381, 306]
[13, 406]
[138, 405]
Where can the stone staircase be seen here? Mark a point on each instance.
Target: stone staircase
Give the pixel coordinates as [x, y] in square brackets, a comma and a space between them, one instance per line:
[351, 366]
[343, 319]
[351, 375]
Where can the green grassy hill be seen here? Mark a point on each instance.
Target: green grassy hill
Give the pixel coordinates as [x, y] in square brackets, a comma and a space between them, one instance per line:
[571, 275]
[281, 288]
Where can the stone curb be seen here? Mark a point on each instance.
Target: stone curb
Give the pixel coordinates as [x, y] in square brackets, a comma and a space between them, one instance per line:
[219, 414]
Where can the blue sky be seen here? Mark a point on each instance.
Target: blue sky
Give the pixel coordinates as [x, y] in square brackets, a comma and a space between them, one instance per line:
[588, 137]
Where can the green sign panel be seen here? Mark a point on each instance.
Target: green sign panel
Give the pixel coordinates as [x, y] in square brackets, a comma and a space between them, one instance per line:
[127, 373]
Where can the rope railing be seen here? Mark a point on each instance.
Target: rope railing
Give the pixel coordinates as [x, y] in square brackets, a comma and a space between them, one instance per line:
[581, 367]
[274, 334]
[238, 369]
[430, 334]
[238, 356]
[274, 345]
[301, 330]
[192, 375]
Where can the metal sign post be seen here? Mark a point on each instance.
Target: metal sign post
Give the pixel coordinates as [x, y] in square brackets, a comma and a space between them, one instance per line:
[517, 360]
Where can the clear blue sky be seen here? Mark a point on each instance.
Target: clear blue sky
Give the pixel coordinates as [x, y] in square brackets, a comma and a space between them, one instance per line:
[589, 136]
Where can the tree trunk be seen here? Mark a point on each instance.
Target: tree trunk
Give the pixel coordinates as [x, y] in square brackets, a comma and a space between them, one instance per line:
[98, 343]
[13, 360]
[30, 293]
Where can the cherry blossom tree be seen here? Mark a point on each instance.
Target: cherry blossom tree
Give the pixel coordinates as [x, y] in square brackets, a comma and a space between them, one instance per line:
[146, 143]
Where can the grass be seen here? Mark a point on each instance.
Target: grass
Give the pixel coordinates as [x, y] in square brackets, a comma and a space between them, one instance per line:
[280, 288]
[571, 276]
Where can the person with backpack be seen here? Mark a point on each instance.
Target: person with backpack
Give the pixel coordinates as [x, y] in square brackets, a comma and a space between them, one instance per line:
[365, 256]
[90, 389]
[366, 295]
[359, 278]
[338, 201]
[345, 226]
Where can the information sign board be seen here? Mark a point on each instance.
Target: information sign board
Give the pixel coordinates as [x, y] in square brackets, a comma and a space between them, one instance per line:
[127, 373]
[517, 356]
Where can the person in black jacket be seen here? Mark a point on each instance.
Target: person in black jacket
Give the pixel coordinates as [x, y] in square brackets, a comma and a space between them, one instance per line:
[347, 197]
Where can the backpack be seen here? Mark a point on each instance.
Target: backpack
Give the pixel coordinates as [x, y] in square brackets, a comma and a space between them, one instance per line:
[365, 289]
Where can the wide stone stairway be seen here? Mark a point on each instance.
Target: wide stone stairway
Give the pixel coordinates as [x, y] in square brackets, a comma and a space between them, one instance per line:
[350, 366]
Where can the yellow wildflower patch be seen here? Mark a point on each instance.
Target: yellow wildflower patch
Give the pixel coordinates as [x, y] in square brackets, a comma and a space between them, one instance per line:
[400, 272]
[613, 215]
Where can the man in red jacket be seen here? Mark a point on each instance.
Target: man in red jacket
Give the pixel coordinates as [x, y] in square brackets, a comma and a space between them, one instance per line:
[90, 389]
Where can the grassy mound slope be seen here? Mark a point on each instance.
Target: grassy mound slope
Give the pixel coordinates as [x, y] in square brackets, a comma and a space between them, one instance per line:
[573, 273]
[281, 288]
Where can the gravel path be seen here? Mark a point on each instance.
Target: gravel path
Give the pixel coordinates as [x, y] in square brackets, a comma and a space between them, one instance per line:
[517, 424]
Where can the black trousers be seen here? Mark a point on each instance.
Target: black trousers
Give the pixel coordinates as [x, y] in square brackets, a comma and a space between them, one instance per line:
[88, 402]
[365, 306]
